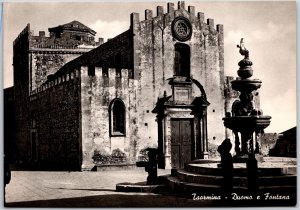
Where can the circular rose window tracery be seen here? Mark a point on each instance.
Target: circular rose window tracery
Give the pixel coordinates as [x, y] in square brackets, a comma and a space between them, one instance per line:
[182, 29]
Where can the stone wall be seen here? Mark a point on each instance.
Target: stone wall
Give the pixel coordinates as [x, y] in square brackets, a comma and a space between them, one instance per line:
[47, 62]
[9, 129]
[55, 109]
[21, 91]
[267, 141]
[97, 92]
[116, 51]
[35, 57]
[51, 69]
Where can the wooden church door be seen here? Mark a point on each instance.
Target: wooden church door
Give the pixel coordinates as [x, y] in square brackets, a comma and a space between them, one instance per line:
[181, 141]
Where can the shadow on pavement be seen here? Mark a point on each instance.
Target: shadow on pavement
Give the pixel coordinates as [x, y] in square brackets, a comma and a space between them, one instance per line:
[113, 200]
[146, 200]
[63, 188]
[38, 167]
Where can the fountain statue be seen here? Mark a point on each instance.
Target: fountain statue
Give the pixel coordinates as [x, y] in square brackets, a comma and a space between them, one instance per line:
[245, 120]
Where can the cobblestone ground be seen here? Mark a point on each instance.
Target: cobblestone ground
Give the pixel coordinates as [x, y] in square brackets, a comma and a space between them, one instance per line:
[85, 189]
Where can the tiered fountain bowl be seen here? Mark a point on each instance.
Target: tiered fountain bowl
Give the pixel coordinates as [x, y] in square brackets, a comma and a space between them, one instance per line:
[247, 123]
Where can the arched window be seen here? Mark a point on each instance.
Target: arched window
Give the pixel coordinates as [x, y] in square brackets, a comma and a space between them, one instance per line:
[182, 60]
[117, 118]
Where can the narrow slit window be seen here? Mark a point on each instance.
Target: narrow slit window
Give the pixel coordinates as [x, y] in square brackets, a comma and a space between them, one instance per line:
[105, 72]
[118, 73]
[91, 70]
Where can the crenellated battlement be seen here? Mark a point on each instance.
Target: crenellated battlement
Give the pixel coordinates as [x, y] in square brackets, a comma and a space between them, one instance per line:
[61, 78]
[42, 34]
[73, 35]
[53, 80]
[181, 9]
[43, 41]
[58, 46]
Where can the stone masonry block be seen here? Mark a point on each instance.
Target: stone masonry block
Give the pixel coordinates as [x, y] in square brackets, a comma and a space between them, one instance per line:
[170, 7]
[220, 28]
[148, 14]
[201, 16]
[181, 5]
[191, 10]
[210, 22]
[159, 10]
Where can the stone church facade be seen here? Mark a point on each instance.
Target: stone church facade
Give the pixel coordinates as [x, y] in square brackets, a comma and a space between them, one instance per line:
[81, 103]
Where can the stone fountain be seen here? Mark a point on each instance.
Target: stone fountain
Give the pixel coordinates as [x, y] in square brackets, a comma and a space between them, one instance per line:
[245, 120]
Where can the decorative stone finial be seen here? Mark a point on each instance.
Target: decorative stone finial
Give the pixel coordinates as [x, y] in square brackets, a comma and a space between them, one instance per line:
[243, 50]
[245, 70]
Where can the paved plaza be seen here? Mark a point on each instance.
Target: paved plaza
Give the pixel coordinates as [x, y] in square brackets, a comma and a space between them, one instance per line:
[85, 189]
[96, 189]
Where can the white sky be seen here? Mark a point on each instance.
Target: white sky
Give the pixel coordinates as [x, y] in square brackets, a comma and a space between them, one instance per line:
[269, 30]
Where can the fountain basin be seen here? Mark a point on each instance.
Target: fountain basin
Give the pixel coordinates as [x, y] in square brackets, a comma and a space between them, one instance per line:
[246, 85]
[247, 123]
